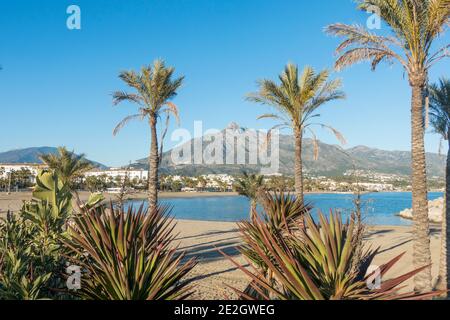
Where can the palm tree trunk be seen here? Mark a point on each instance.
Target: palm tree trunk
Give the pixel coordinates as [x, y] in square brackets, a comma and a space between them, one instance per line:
[253, 205]
[153, 162]
[298, 168]
[421, 240]
[444, 267]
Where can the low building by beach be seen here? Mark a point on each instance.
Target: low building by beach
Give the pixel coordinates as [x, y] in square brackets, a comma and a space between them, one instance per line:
[376, 187]
[119, 173]
[33, 168]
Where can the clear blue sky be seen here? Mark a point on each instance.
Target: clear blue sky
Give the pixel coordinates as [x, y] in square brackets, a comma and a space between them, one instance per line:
[55, 84]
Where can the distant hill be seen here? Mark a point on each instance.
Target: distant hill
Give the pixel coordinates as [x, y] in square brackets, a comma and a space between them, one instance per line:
[333, 160]
[31, 155]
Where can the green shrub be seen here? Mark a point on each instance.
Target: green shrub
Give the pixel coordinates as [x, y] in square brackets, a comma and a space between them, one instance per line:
[32, 254]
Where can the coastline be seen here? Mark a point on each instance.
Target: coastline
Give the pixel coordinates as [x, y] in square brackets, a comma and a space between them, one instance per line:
[214, 273]
[202, 239]
[14, 201]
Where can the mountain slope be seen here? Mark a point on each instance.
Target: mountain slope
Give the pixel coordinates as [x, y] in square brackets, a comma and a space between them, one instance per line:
[333, 160]
[31, 155]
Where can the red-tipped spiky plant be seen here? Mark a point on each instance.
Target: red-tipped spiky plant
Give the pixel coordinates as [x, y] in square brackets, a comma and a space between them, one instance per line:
[128, 255]
[317, 265]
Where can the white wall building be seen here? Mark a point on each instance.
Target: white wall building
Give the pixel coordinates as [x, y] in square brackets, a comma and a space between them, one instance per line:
[212, 181]
[122, 173]
[7, 168]
[378, 187]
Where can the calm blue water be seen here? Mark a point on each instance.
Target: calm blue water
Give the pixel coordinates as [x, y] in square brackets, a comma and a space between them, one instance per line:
[379, 208]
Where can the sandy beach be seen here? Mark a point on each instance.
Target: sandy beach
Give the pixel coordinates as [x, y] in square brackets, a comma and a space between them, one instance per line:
[214, 273]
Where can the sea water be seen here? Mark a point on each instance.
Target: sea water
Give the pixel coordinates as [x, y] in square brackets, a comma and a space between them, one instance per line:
[378, 208]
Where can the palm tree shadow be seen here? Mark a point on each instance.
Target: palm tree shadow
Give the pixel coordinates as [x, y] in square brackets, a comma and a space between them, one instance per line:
[204, 276]
[210, 243]
[210, 252]
[370, 234]
[434, 231]
[209, 234]
[395, 246]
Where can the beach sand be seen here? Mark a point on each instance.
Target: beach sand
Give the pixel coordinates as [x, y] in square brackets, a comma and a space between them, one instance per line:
[214, 273]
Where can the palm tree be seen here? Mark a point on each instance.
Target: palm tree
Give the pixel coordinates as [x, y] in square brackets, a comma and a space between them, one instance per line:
[67, 165]
[249, 186]
[154, 89]
[415, 26]
[296, 99]
[440, 121]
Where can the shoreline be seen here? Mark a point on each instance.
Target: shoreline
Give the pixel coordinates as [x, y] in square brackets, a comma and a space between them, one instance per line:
[203, 239]
[14, 201]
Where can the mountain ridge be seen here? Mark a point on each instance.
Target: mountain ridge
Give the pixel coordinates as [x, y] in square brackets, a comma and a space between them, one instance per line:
[333, 160]
[31, 155]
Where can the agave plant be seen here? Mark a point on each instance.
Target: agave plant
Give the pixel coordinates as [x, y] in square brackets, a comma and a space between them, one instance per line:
[318, 265]
[282, 214]
[128, 255]
[282, 211]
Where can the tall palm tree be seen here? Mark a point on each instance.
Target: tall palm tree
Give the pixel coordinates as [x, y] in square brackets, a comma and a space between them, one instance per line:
[296, 100]
[249, 186]
[67, 165]
[154, 88]
[415, 26]
[440, 121]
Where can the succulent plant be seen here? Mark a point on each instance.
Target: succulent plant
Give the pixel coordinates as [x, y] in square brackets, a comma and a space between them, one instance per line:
[128, 255]
[318, 265]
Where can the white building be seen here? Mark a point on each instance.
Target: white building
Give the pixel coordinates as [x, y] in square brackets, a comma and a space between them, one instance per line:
[212, 181]
[122, 173]
[7, 168]
[377, 187]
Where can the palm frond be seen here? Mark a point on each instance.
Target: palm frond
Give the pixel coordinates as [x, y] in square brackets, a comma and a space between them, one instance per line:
[67, 165]
[125, 121]
[336, 133]
[155, 87]
[316, 148]
[296, 97]
[440, 107]
[121, 96]
[415, 25]
[173, 109]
